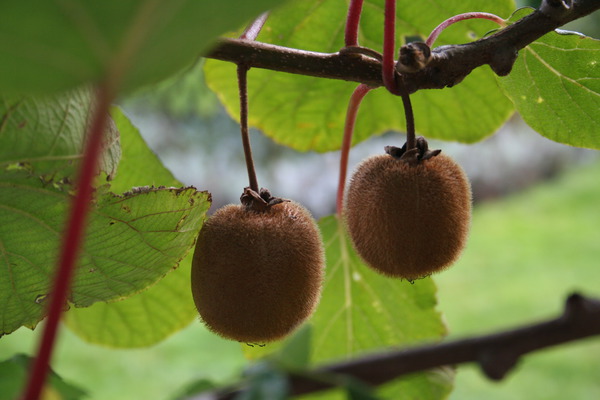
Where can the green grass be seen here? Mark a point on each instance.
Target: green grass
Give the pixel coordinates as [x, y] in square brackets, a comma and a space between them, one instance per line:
[526, 253]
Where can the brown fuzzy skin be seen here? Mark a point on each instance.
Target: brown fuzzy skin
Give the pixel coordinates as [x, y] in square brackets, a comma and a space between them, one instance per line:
[408, 221]
[256, 276]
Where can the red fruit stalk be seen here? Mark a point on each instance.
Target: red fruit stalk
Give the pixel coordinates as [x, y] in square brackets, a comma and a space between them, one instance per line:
[352, 21]
[355, 100]
[389, 42]
[71, 244]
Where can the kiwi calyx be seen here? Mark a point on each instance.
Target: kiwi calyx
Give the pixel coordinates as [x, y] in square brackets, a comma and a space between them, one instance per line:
[414, 156]
[259, 202]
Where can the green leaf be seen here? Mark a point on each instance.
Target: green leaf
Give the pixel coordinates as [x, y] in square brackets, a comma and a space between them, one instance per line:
[132, 241]
[555, 85]
[48, 46]
[14, 373]
[45, 134]
[308, 113]
[362, 311]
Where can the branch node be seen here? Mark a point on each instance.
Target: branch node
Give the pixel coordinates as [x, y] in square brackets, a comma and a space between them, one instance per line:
[496, 363]
[579, 309]
[503, 61]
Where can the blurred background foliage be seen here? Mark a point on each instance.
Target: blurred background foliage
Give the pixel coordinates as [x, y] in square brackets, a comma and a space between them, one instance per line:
[534, 240]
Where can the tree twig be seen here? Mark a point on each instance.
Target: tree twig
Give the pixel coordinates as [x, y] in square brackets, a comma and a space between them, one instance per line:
[448, 66]
[497, 353]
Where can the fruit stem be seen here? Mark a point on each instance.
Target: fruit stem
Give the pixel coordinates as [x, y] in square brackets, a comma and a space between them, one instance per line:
[71, 242]
[242, 75]
[411, 141]
[389, 42]
[461, 17]
[252, 31]
[352, 21]
[353, 106]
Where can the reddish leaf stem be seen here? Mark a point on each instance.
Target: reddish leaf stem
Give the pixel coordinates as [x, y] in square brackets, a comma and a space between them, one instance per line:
[72, 239]
[352, 21]
[461, 17]
[353, 106]
[389, 43]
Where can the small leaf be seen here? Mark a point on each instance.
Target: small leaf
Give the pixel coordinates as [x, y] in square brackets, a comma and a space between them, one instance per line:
[308, 113]
[14, 373]
[357, 390]
[555, 85]
[195, 388]
[265, 382]
[45, 134]
[48, 46]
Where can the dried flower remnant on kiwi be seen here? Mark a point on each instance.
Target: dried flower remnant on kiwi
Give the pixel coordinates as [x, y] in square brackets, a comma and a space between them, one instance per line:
[408, 212]
[258, 267]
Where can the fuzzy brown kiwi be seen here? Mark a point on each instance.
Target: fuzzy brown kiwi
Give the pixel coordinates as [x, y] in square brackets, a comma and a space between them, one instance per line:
[409, 217]
[257, 269]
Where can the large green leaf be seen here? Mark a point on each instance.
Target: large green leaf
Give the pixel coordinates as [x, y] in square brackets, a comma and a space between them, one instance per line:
[362, 311]
[165, 307]
[555, 85]
[45, 134]
[308, 113]
[52, 45]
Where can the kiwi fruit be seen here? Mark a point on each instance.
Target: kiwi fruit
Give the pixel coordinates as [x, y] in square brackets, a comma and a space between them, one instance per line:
[257, 269]
[408, 213]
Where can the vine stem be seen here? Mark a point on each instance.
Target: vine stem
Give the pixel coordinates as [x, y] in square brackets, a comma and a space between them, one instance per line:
[352, 21]
[461, 17]
[71, 243]
[242, 75]
[355, 100]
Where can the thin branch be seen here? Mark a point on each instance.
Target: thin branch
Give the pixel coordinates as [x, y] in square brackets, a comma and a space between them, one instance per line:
[497, 353]
[448, 66]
